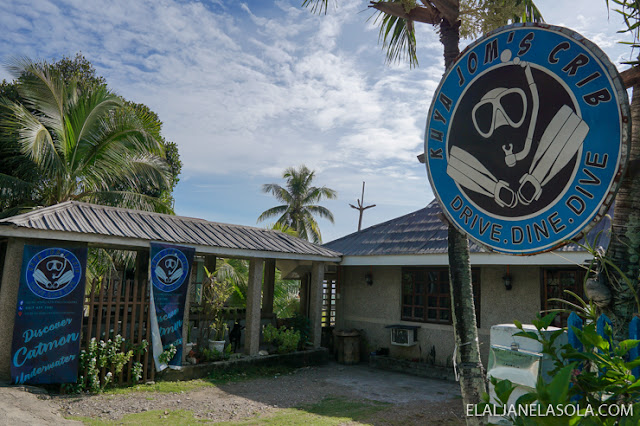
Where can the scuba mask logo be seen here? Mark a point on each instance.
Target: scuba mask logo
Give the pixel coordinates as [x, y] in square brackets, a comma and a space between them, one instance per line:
[516, 139]
[491, 113]
[169, 269]
[53, 273]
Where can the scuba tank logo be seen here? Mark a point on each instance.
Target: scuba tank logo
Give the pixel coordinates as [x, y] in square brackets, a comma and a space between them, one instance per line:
[525, 137]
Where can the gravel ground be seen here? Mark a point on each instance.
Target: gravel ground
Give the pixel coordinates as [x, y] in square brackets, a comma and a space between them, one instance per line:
[411, 400]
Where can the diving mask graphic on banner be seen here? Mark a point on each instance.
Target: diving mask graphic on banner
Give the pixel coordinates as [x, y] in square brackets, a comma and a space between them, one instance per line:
[526, 138]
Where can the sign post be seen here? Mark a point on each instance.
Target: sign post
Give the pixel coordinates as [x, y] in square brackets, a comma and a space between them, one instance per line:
[527, 138]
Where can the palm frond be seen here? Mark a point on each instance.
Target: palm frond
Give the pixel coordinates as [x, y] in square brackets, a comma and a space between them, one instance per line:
[398, 39]
[323, 212]
[33, 138]
[312, 229]
[280, 193]
[42, 89]
[86, 115]
[282, 227]
[317, 6]
[315, 194]
[272, 212]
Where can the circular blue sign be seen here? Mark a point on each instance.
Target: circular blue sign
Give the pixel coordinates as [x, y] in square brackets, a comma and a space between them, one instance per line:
[53, 273]
[527, 137]
[169, 269]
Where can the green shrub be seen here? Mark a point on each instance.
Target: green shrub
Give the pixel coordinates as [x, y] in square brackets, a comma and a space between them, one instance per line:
[110, 356]
[286, 339]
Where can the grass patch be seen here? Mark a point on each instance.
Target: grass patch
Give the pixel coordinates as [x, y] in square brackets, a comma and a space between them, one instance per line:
[223, 377]
[337, 406]
[328, 412]
[162, 387]
[155, 417]
[218, 378]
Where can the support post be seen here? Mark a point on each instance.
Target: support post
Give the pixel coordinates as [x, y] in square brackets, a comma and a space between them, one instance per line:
[315, 301]
[269, 284]
[304, 295]
[252, 331]
[8, 300]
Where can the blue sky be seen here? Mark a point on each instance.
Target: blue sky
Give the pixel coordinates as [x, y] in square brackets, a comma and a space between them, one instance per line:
[249, 88]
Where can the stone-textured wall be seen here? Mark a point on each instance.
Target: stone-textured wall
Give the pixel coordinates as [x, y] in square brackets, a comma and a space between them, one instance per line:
[371, 308]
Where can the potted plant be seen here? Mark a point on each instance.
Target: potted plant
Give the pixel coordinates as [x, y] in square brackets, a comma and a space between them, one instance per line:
[219, 328]
[215, 293]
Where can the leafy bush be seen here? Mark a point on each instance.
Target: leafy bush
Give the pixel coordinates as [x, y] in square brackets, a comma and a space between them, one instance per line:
[168, 354]
[598, 375]
[110, 356]
[302, 324]
[286, 339]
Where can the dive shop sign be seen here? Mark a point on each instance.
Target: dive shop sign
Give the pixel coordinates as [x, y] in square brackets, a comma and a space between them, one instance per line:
[526, 138]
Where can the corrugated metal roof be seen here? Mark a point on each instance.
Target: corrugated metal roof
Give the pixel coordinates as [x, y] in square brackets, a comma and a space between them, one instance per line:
[422, 232]
[73, 216]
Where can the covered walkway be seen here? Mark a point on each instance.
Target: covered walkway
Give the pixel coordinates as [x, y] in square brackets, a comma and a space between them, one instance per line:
[118, 228]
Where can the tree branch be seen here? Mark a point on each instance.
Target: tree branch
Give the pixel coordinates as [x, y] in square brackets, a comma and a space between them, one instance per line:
[630, 77]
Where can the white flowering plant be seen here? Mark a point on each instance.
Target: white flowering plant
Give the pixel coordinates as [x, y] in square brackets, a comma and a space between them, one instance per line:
[102, 362]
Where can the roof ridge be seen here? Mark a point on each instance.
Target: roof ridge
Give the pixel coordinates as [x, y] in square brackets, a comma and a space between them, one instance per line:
[70, 206]
[378, 225]
[39, 211]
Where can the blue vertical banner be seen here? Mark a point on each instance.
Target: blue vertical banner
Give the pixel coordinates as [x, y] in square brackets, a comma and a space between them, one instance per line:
[48, 322]
[170, 268]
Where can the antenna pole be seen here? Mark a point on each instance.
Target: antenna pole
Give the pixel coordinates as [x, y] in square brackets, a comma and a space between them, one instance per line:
[361, 208]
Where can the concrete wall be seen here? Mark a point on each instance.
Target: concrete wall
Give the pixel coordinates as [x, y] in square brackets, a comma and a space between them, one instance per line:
[371, 308]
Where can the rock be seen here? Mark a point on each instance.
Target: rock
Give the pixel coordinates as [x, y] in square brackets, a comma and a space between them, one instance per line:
[263, 353]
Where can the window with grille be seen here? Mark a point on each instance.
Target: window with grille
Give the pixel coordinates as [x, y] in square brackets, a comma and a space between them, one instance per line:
[426, 296]
[329, 301]
[555, 282]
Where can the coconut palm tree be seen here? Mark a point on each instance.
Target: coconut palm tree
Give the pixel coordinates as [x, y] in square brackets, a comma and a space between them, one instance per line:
[299, 199]
[83, 144]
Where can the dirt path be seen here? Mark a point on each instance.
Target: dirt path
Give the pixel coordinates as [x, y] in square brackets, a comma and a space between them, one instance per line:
[29, 405]
[409, 400]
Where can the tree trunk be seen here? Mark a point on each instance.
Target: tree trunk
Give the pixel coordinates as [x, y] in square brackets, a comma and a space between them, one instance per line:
[472, 378]
[624, 247]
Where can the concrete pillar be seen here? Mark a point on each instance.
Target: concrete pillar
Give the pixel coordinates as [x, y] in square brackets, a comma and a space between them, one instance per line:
[268, 288]
[340, 279]
[315, 301]
[252, 330]
[304, 295]
[8, 300]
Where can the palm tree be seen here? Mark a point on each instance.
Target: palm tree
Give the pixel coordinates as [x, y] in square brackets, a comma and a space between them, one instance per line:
[83, 144]
[299, 199]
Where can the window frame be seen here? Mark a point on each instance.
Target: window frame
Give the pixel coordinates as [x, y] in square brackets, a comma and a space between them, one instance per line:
[549, 274]
[419, 301]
